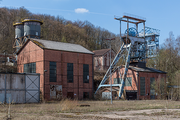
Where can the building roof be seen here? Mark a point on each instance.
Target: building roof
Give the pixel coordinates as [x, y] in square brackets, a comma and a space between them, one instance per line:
[146, 69]
[100, 52]
[109, 89]
[55, 45]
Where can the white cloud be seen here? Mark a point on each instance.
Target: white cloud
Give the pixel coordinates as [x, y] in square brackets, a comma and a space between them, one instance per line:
[81, 10]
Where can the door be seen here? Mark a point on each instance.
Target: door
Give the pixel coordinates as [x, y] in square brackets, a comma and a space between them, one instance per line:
[32, 88]
[70, 95]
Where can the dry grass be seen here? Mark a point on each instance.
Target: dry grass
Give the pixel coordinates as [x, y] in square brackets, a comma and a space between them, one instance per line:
[70, 109]
[68, 105]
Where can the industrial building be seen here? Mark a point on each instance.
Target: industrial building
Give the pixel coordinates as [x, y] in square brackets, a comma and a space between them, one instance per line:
[66, 70]
[102, 59]
[139, 83]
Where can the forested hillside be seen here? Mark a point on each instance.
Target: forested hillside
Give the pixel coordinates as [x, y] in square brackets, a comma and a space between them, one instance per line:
[54, 28]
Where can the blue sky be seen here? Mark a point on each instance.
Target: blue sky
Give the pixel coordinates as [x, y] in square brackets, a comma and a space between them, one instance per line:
[159, 14]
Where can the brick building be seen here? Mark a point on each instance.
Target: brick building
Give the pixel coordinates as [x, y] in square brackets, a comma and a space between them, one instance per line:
[102, 58]
[138, 84]
[66, 70]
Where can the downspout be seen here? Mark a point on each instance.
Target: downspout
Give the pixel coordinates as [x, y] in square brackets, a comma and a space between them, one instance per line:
[44, 73]
[5, 89]
[78, 77]
[93, 76]
[137, 85]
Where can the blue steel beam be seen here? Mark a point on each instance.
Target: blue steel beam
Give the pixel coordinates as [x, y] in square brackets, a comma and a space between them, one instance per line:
[108, 85]
[125, 71]
[116, 59]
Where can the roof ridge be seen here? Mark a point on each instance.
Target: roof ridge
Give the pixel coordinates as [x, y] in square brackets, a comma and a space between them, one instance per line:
[57, 41]
[56, 45]
[102, 49]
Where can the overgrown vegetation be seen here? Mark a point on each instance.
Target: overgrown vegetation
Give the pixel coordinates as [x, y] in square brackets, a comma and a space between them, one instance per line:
[168, 60]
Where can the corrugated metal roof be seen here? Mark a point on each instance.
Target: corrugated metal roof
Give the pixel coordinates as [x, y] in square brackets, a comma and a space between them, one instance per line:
[54, 45]
[146, 69]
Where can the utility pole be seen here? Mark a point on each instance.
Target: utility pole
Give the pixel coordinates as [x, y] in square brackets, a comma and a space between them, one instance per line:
[109, 65]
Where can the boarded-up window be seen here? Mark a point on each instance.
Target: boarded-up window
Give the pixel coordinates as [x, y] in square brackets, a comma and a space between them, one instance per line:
[52, 71]
[142, 86]
[85, 73]
[30, 68]
[70, 72]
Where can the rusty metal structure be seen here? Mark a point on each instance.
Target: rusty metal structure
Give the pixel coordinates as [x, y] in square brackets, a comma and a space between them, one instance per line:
[27, 28]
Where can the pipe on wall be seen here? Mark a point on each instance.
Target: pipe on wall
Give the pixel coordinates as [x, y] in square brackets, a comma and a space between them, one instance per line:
[137, 84]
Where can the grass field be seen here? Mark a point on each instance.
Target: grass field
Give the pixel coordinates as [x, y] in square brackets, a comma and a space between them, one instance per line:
[73, 109]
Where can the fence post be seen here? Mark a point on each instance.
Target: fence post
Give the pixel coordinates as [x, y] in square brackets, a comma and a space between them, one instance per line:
[5, 90]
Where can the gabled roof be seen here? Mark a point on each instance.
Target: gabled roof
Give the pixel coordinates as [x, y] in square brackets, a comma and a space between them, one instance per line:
[101, 52]
[54, 45]
[146, 69]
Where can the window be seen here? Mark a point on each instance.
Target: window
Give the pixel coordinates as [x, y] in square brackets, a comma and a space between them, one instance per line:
[70, 72]
[152, 86]
[85, 95]
[85, 73]
[117, 81]
[52, 71]
[142, 86]
[128, 81]
[152, 83]
[30, 68]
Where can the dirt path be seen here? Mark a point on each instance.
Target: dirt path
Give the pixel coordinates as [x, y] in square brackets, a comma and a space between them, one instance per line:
[148, 114]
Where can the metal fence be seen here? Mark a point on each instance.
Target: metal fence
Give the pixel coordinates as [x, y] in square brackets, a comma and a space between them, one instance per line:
[19, 88]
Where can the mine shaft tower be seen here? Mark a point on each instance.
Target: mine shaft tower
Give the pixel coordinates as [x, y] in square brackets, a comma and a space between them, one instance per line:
[133, 49]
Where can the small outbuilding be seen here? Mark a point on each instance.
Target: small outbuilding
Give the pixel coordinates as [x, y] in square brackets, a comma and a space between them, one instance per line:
[66, 70]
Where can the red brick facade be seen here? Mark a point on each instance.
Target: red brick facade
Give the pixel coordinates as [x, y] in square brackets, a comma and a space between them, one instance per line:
[33, 53]
[102, 59]
[136, 81]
